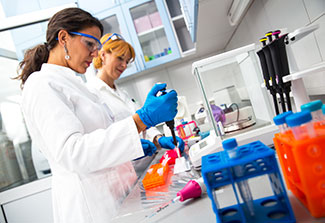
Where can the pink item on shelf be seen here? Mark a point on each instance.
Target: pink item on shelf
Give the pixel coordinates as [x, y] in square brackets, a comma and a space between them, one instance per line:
[142, 24]
[155, 19]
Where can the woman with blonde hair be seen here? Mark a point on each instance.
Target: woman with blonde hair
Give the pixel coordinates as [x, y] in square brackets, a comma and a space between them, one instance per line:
[112, 60]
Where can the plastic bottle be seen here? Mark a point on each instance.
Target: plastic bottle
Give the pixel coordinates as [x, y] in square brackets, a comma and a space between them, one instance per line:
[315, 108]
[301, 125]
[230, 146]
[280, 121]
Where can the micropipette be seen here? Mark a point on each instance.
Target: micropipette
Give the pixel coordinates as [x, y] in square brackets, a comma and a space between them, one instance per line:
[193, 189]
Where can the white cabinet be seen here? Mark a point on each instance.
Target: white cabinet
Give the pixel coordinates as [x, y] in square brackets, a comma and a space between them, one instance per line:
[183, 35]
[97, 6]
[151, 32]
[36, 208]
[2, 217]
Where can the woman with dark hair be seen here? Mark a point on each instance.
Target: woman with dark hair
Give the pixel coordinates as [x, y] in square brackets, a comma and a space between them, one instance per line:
[73, 128]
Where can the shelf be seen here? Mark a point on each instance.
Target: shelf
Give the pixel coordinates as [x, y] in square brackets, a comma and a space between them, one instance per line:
[150, 31]
[177, 18]
[188, 52]
[300, 74]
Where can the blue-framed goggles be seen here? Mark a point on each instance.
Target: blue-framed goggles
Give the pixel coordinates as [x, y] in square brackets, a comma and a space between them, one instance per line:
[114, 36]
[91, 42]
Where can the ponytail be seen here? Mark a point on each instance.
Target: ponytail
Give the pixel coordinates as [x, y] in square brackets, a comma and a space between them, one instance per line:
[33, 60]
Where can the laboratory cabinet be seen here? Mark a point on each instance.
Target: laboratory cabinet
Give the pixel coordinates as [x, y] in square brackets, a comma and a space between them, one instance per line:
[183, 36]
[114, 22]
[190, 11]
[157, 29]
[97, 6]
[31, 35]
[27, 203]
[151, 32]
[36, 208]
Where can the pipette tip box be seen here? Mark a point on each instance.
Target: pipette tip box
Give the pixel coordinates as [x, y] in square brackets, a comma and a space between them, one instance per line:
[155, 176]
[256, 160]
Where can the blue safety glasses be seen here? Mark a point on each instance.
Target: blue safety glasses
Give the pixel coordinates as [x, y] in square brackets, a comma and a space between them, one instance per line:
[91, 42]
[114, 36]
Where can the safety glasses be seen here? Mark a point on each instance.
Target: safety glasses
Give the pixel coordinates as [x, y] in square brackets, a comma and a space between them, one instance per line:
[91, 42]
[114, 36]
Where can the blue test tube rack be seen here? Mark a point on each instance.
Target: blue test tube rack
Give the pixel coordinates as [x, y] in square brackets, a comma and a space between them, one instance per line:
[255, 159]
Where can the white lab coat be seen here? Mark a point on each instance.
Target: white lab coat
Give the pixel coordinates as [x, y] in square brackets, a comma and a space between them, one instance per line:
[84, 146]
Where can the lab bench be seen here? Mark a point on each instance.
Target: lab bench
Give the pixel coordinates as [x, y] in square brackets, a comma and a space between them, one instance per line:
[140, 204]
[31, 202]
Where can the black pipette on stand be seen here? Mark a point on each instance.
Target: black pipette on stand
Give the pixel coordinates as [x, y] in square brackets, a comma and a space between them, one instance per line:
[270, 66]
[280, 62]
[266, 75]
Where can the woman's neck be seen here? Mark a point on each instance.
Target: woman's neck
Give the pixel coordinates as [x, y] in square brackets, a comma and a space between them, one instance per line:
[104, 77]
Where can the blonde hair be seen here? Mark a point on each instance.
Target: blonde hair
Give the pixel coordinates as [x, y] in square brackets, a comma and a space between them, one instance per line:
[118, 46]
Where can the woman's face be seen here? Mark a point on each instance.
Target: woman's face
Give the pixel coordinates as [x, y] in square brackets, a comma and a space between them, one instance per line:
[82, 49]
[114, 65]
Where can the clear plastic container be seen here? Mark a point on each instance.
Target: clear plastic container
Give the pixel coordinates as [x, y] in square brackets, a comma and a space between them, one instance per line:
[280, 121]
[301, 125]
[315, 108]
[230, 146]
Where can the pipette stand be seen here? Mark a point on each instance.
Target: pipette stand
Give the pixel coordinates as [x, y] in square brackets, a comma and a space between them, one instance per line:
[299, 92]
[256, 159]
[302, 163]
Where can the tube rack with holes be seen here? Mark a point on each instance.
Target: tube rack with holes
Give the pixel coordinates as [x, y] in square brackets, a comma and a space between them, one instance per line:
[256, 161]
[156, 176]
[303, 167]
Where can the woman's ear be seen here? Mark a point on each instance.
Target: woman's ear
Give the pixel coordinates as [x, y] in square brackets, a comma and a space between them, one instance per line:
[102, 55]
[63, 36]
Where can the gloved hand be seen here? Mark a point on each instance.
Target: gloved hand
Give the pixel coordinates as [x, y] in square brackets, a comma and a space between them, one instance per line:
[167, 142]
[158, 109]
[148, 147]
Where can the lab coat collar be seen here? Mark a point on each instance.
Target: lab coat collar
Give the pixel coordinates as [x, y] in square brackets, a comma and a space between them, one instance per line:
[101, 85]
[62, 71]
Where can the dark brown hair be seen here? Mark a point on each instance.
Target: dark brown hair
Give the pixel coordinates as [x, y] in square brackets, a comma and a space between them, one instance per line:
[69, 19]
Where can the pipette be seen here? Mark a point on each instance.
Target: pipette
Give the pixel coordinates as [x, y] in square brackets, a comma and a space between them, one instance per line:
[171, 123]
[171, 126]
[193, 189]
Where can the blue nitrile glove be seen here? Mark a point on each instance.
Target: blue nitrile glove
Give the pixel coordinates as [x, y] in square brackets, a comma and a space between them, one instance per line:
[168, 142]
[158, 109]
[148, 147]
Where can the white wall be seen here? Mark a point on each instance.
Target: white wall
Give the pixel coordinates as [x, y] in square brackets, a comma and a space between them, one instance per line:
[268, 15]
